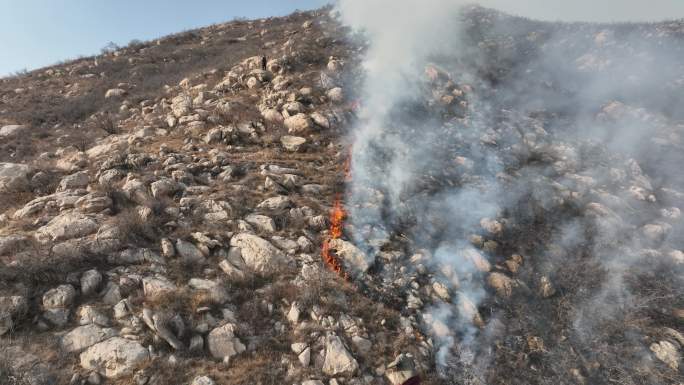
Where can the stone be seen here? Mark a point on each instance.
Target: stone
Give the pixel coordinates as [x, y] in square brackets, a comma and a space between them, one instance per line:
[74, 181]
[294, 313]
[223, 343]
[272, 115]
[94, 203]
[363, 345]
[546, 289]
[338, 361]
[275, 203]
[401, 369]
[122, 309]
[305, 357]
[12, 310]
[666, 352]
[320, 120]
[298, 124]
[156, 287]
[181, 105]
[12, 130]
[335, 95]
[14, 177]
[90, 282]
[115, 93]
[84, 337]
[66, 226]
[167, 248]
[491, 226]
[115, 357]
[57, 317]
[88, 314]
[216, 291]
[159, 325]
[259, 254]
[292, 143]
[354, 260]
[189, 252]
[502, 284]
[62, 296]
[261, 222]
[233, 272]
[202, 380]
[165, 188]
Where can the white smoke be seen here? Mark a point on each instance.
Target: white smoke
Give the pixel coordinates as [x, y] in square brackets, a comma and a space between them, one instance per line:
[398, 142]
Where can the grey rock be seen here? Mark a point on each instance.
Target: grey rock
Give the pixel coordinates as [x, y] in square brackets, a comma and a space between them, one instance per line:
[90, 282]
[84, 337]
[115, 357]
[223, 342]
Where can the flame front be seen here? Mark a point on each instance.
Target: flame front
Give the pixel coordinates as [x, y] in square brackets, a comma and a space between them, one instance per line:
[337, 216]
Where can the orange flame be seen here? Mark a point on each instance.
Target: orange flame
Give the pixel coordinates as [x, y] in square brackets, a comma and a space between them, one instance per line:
[337, 216]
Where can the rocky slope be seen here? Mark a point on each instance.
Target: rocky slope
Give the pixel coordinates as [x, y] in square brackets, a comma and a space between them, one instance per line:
[165, 206]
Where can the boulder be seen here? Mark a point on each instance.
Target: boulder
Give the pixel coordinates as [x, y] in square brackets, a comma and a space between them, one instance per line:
[320, 120]
[167, 248]
[223, 343]
[62, 296]
[202, 380]
[94, 203]
[115, 357]
[156, 287]
[502, 284]
[90, 282]
[84, 337]
[261, 222]
[354, 260]
[65, 226]
[666, 352]
[12, 130]
[89, 314]
[272, 115]
[14, 177]
[292, 143]
[189, 252]
[298, 124]
[165, 188]
[275, 203]
[74, 181]
[181, 105]
[335, 95]
[115, 93]
[338, 360]
[401, 369]
[259, 254]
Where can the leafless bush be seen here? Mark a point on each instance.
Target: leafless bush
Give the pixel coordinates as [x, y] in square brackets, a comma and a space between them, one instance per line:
[106, 122]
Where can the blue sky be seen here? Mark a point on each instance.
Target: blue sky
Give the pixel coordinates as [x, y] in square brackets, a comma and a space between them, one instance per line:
[37, 33]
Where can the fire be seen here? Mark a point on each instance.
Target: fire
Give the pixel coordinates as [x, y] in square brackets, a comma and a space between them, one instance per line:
[337, 216]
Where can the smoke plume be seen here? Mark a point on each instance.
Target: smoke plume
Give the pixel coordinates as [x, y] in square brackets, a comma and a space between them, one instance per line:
[483, 136]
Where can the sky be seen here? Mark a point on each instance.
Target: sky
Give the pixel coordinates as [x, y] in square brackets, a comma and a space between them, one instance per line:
[37, 33]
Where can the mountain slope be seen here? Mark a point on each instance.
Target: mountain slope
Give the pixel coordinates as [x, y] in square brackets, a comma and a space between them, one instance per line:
[179, 208]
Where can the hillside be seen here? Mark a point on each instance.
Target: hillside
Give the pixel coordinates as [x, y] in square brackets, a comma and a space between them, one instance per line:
[227, 205]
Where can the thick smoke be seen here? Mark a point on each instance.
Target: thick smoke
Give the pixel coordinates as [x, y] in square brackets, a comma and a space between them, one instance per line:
[554, 147]
[399, 143]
